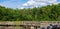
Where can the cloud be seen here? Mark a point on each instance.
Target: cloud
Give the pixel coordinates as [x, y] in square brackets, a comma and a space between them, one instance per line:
[37, 3]
[27, 3]
[22, 7]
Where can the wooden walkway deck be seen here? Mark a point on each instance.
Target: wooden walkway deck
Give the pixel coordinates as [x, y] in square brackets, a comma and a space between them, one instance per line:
[29, 24]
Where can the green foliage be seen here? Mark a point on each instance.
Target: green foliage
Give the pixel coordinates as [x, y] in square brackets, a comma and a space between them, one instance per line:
[45, 13]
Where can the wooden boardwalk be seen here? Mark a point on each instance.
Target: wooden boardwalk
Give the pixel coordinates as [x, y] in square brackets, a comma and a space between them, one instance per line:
[28, 24]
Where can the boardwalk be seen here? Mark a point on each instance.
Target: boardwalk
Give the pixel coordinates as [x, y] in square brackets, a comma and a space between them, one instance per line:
[27, 24]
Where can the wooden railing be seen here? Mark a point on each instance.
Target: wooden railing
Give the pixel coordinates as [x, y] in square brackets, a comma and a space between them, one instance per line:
[37, 23]
[27, 23]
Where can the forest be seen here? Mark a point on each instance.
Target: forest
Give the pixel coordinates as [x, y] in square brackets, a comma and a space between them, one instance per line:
[44, 13]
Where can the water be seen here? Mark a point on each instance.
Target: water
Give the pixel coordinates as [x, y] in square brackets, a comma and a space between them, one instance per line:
[10, 27]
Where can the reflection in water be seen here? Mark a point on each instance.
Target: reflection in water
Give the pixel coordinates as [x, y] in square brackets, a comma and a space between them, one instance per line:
[19, 27]
[52, 27]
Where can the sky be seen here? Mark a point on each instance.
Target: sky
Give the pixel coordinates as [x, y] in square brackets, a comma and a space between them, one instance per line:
[27, 3]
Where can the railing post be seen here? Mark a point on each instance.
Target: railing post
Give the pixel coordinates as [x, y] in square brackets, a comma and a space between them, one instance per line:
[32, 27]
